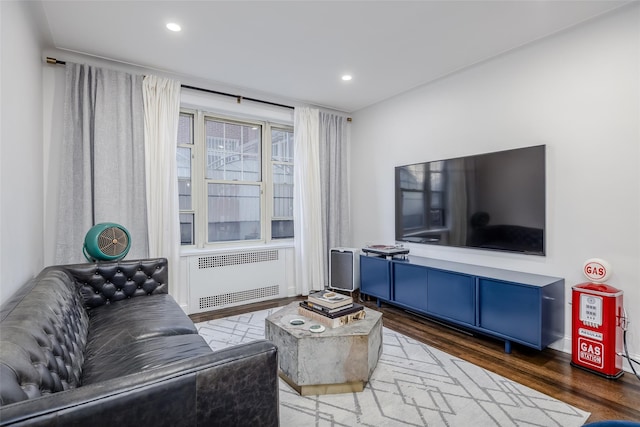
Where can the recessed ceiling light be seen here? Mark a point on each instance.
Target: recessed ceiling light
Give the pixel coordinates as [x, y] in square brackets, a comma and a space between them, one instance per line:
[346, 77]
[172, 26]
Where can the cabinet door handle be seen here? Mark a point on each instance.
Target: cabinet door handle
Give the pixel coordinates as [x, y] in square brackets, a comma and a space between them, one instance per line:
[549, 298]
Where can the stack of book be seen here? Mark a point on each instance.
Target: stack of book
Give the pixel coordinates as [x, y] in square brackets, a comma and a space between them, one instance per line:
[331, 308]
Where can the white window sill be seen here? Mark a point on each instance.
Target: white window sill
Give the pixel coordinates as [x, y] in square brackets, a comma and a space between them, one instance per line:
[187, 252]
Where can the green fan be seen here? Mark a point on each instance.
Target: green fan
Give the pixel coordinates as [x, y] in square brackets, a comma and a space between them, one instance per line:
[106, 241]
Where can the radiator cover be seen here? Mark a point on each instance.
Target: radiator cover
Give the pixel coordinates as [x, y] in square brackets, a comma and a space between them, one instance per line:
[234, 278]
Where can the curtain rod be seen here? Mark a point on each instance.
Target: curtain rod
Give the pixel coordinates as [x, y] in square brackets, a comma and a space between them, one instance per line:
[51, 60]
[238, 98]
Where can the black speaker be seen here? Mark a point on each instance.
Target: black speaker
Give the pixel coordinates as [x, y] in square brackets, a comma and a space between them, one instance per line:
[344, 269]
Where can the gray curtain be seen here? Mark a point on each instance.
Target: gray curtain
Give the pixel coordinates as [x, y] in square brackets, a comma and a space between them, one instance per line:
[102, 172]
[334, 178]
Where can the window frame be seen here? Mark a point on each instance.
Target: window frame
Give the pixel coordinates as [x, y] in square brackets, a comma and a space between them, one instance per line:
[270, 197]
[192, 147]
[200, 182]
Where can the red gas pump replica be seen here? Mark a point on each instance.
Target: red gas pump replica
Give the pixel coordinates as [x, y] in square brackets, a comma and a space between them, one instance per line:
[597, 323]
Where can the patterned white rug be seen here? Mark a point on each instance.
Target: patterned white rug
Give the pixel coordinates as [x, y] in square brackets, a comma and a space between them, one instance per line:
[413, 385]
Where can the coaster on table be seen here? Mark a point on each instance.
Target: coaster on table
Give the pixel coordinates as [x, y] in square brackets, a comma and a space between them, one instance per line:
[316, 328]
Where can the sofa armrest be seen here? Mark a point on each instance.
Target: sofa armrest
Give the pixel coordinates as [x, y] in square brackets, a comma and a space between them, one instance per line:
[235, 386]
[105, 282]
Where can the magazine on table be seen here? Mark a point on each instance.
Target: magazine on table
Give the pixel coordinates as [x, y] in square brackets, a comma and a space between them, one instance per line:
[332, 322]
[350, 310]
[327, 310]
[330, 299]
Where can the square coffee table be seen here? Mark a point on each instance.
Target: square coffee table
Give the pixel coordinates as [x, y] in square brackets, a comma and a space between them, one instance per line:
[337, 360]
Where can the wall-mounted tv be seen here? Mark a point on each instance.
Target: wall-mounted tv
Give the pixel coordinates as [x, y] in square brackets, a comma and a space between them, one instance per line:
[493, 201]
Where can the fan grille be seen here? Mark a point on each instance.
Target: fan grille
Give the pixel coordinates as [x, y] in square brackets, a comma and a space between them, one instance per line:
[113, 241]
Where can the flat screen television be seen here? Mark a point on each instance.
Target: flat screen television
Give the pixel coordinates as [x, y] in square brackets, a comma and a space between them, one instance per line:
[493, 201]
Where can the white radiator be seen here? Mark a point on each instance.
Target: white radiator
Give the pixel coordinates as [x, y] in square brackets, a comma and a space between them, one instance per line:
[235, 278]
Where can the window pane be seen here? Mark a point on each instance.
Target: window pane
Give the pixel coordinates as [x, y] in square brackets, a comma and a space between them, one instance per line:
[282, 182]
[282, 145]
[233, 151]
[185, 129]
[282, 229]
[250, 167]
[186, 229]
[183, 159]
[282, 191]
[184, 177]
[184, 194]
[233, 212]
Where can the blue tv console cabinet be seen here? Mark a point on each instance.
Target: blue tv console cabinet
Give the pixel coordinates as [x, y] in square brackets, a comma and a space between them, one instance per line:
[516, 307]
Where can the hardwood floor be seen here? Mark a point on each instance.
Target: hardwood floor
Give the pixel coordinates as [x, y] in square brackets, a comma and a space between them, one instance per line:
[547, 371]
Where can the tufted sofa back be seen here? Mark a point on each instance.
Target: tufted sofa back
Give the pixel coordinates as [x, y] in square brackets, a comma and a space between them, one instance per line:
[101, 284]
[45, 325]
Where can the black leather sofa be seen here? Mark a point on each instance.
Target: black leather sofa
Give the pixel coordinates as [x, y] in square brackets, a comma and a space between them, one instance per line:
[106, 345]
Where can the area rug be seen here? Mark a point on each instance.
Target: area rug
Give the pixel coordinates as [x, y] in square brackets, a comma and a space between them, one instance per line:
[413, 385]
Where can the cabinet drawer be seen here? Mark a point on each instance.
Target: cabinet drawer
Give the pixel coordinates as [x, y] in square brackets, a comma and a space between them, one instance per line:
[375, 277]
[451, 295]
[510, 309]
[410, 285]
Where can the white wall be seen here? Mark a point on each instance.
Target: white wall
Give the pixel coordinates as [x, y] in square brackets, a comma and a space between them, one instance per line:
[21, 158]
[578, 92]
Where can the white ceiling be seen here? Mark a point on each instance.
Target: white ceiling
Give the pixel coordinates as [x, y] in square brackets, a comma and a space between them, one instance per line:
[298, 50]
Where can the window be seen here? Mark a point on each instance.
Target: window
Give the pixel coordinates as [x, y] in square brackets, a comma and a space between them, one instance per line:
[282, 180]
[233, 175]
[184, 159]
[235, 180]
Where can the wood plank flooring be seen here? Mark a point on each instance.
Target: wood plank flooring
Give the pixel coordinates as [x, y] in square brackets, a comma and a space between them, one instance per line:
[547, 371]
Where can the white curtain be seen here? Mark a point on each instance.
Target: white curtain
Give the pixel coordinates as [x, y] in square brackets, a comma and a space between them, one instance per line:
[307, 212]
[102, 174]
[334, 178]
[161, 116]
